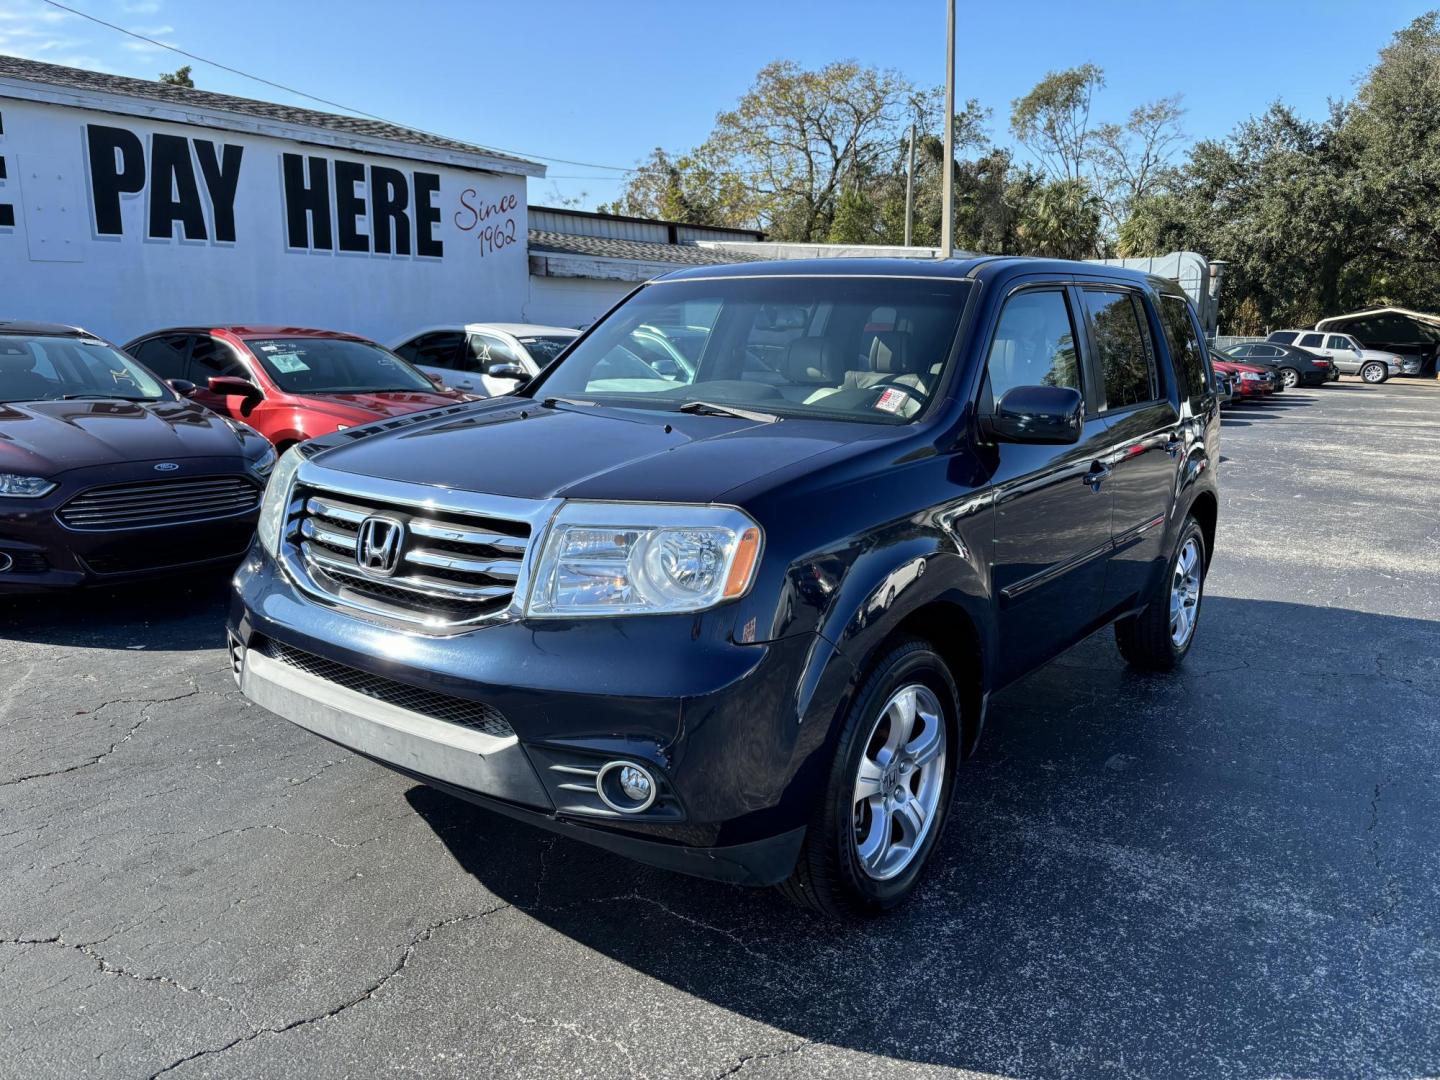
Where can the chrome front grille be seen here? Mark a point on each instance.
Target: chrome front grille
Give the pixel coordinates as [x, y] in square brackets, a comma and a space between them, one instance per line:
[453, 566]
[160, 502]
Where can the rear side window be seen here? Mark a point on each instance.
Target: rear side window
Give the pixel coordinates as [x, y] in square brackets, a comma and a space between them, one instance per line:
[1312, 341]
[440, 350]
[165, 356]
[1284, 337]
[1185, 347]
[1122, 346]
[1034, 343]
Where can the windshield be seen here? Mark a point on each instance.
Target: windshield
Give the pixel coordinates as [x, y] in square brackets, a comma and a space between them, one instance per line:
[869, 349]
[336, 366]
[44, 368]
[544, 349]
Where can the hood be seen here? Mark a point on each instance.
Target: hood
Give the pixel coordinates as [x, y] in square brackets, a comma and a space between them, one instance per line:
[43, 438]
[361, 408]
[524, 450]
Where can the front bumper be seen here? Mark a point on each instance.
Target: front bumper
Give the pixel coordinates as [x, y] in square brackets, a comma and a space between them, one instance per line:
[721, 726]
[38, 553]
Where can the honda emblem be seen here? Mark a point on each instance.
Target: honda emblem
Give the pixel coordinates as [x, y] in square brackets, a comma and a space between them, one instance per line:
[377, 545]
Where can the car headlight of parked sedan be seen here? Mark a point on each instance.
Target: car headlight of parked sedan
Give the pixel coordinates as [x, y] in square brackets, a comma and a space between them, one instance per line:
[277, 498]
[636, 558]
[16, 486]
[264, 465]
[1250, 376]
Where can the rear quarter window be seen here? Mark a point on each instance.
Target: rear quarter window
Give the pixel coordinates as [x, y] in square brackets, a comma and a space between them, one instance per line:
[1284, 337]
[1186, 350]
[1122, 344]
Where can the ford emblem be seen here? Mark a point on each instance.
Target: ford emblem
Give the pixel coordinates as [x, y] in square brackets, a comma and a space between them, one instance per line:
[166, 466]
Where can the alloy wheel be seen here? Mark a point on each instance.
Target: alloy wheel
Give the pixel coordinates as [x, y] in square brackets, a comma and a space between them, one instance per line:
[899, 781]
[1373, 373]
[1185, 593]
[1290, 377]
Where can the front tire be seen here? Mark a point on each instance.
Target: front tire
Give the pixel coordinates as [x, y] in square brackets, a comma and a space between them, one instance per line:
[1160, 636]
[1374, 372]
[888, 791]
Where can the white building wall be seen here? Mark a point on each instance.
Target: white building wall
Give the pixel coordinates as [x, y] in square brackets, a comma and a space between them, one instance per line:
[572, 301]
[70, 257]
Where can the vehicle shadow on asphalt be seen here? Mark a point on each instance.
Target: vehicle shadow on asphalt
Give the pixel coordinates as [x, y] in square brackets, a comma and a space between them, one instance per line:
[177, 614]
[1215, 872]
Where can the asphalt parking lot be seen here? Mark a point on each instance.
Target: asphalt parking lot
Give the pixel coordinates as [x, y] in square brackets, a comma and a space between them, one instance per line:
[1231, 872]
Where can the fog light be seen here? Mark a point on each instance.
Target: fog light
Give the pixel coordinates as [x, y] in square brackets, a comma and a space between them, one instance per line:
[625, 787]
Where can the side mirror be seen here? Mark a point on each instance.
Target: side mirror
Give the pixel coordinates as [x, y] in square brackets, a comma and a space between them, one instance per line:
[183, 387]
[233, 386]
[507, 370]
[436, 379]
[1053, 415]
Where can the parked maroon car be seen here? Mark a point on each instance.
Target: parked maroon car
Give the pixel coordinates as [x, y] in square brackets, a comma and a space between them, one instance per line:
[106, 474]
[289, 384]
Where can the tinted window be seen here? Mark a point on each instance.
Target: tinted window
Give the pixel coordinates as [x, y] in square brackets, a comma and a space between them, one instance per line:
[1034, 343]
[441, 349]
[336, 366]
[1185, 347]
[209, 358]
[1337, 342]
[1284, 337]
[1237, 350]
[1312, 341]
[544, 349]
[788, 345]
[1270, 351]
[1122, 346]
[165, 356]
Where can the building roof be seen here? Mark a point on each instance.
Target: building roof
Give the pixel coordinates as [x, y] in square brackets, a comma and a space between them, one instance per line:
[606, 247]
[15, 67]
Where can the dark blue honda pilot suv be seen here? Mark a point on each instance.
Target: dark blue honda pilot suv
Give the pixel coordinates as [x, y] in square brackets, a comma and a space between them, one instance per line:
[733, 602]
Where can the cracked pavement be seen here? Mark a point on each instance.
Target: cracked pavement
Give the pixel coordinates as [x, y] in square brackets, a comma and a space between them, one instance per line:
[1229, 872]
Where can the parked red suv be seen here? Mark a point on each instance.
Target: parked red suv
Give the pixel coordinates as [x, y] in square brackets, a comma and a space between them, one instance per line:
[287, 383]
[1249, 380]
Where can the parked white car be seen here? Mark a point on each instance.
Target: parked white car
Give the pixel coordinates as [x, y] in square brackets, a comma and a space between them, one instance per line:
[1348, 355]
[492, 359]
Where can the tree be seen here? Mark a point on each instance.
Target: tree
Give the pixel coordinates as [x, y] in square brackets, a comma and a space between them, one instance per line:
[1052, 121]
[1060, 220]
[178, 77]
[672, 189]
[1134, 159]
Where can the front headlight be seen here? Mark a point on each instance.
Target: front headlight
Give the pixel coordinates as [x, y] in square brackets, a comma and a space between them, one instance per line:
[1250, 376]
[265, 463]
[277, 498]
[643, 558]
[15, 486]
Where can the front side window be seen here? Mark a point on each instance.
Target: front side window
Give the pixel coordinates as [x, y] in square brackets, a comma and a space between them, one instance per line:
[486, 351]
[1338, 342]
[1034, 343]
[210, 358]
[335, 366]
[164, 355]
[1122, 346]
[789, 346]
[45, 368]
[1185, 348]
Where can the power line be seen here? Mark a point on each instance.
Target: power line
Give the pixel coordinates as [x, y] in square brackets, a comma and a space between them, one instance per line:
[312, 97]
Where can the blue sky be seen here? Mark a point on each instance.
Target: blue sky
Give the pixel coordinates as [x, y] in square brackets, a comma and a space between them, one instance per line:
[605, 82]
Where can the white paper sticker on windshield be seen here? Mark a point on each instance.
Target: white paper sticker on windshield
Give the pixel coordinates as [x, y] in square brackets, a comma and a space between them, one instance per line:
[288, 363]
[892, 400]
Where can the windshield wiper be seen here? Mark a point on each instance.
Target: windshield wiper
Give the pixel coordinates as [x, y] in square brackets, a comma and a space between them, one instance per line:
[710, 408]
[551, 402]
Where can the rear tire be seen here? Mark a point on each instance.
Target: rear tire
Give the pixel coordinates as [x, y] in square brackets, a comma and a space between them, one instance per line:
[1374, 372]
[1159, 637]
[1290, 377]
[881, 814]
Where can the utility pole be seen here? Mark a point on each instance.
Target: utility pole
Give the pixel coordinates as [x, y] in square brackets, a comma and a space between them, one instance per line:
[910, 188]
[947, 211]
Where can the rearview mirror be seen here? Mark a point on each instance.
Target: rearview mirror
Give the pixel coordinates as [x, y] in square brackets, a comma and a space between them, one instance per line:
[233, 386]
[1052, 415]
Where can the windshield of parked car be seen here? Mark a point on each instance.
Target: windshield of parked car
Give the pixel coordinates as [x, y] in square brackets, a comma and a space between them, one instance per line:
[336, 366]
[46, 368]
[545, 348]
[870, 349]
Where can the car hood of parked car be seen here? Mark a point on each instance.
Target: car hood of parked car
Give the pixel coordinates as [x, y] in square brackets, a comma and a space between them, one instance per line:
[361, 408]
[519, 448]
[43, 438]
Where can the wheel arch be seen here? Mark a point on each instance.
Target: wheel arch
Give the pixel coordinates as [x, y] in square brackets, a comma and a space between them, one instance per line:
[1205, 508]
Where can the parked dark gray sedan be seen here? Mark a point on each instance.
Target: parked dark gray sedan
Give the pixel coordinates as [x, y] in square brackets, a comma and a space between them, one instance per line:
[1295, 367]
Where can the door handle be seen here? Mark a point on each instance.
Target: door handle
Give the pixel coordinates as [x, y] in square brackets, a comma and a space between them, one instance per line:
[1098, 474]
